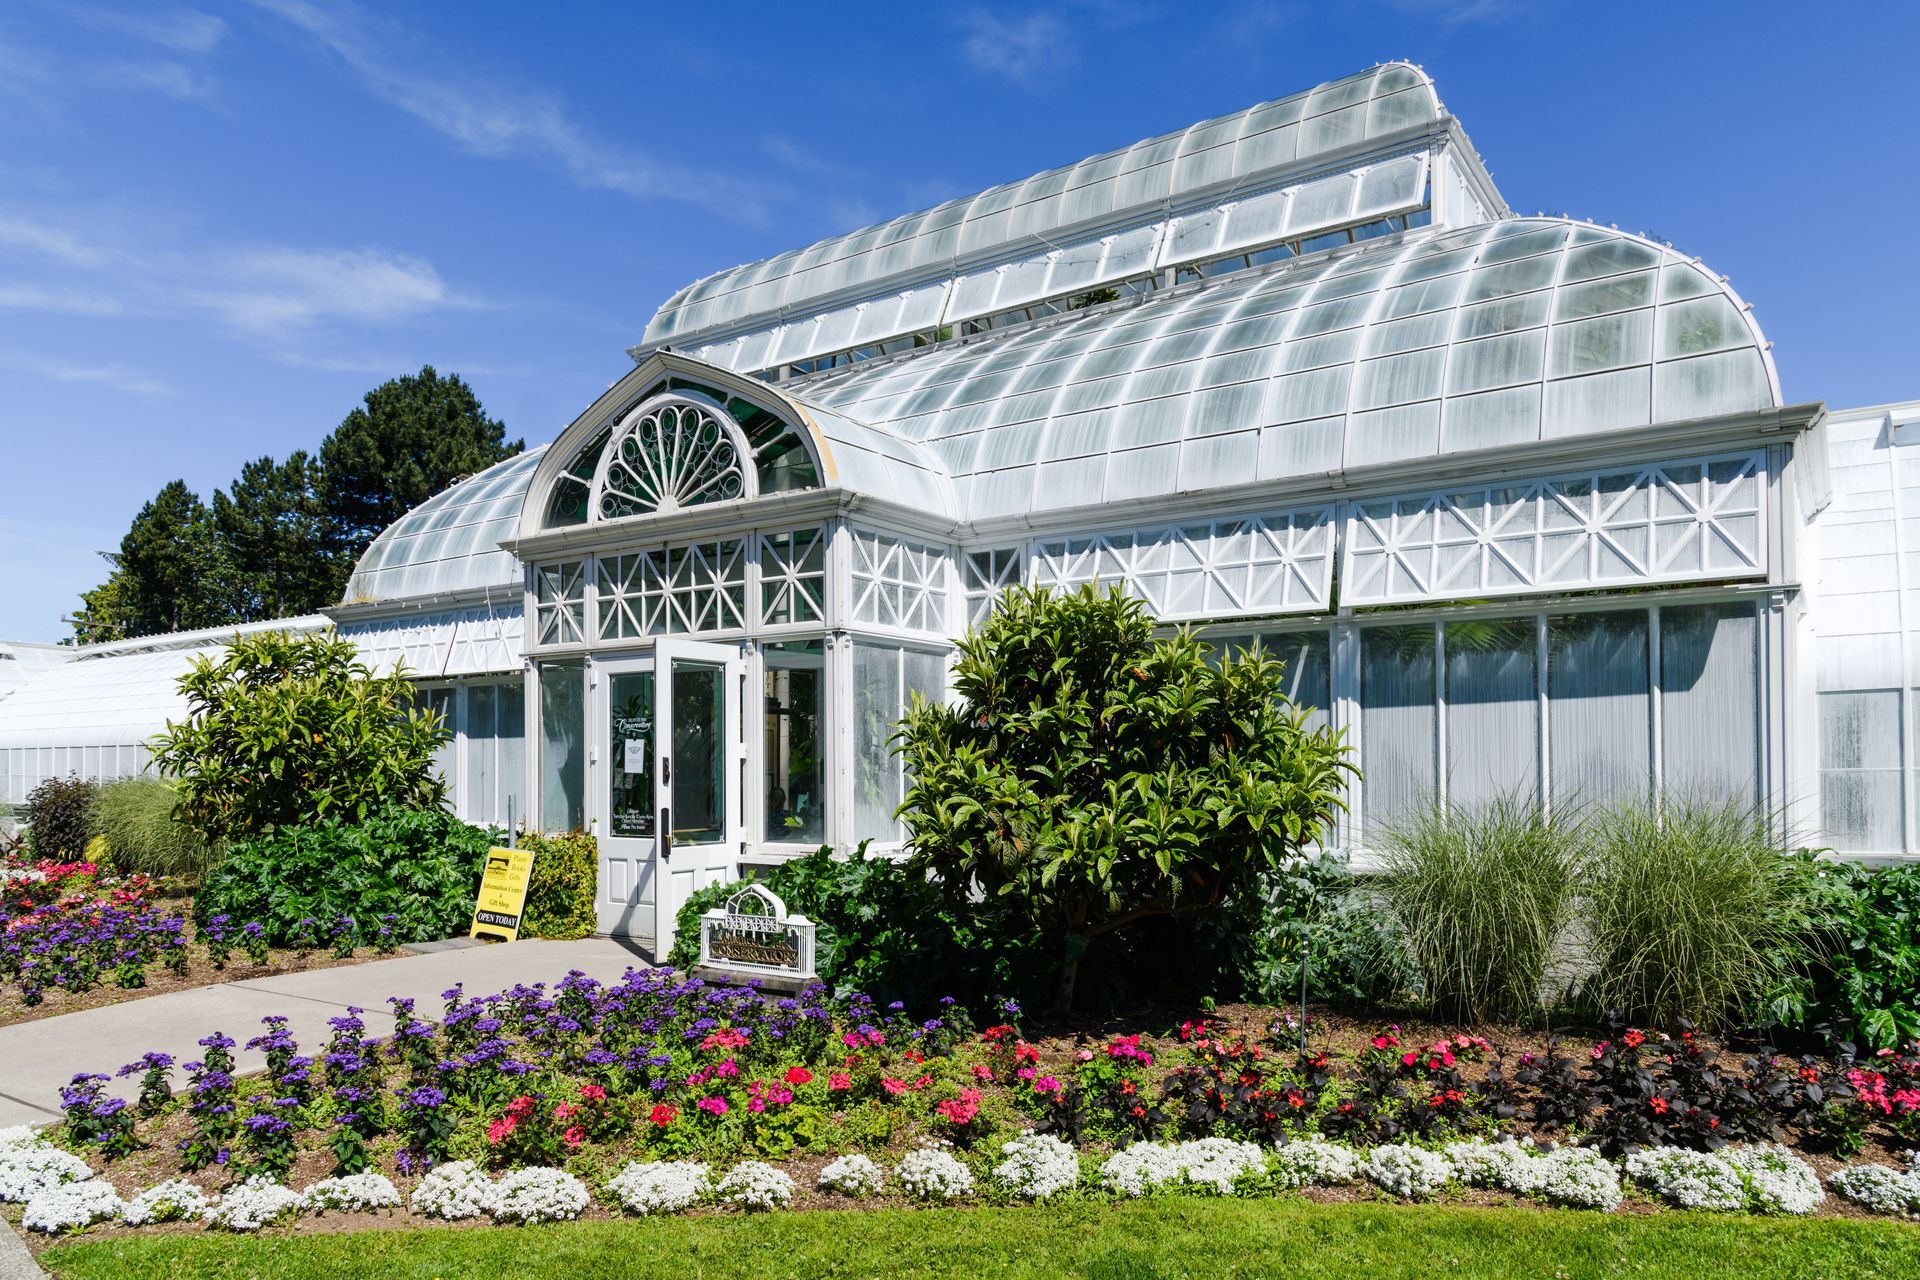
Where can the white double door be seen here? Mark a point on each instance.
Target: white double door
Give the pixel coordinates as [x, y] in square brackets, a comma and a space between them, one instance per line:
[667, 781]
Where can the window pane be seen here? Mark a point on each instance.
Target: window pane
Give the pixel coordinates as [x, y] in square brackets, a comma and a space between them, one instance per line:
[876, 773]
[562, 746]
[1396, 720]
[511, 710]
[481, 803]
[630, 748]
[699, 782]
[441, 703]
[795, 717]
[1709, 724]
[1861, 804]
[1493, 736]
[1598, 706]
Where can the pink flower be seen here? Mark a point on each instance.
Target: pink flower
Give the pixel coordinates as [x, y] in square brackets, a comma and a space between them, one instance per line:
[981, 1071]
[839, 1081]
[574, 1136]
[893, 1086]
[727, 1070]
[500, 1129]
[1085, 1055]
[565, 1111]
[593, 1093]
[713, 1106]
[1025, 1073]
[1047, 1084]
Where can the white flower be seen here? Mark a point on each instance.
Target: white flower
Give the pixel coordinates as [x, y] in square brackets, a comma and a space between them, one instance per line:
[660, 1186]
[1215, 1164]
[174, 1200]
[27, 1170]
[754, 1185]
[258, 1202]
[454, 1191]
[853, 1175]
[932, 1174]
[1576, 1176]
[354, 1192]
[1314, 1162]
[1777, 1180]
[539, 1195]
[1037, 1166]
[1220, 1164]
[71, 1206]
[1138, 1169]
[21, 1135]
[1879, 1188]
[1689, 1179]
[1407, 1171]
[1503, 1166]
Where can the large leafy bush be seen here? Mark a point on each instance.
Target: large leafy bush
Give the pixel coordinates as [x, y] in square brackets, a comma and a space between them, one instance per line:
[60, 817]
[561, 889]
[285, 728]
[135, 816]
[421, 866]
[1092, 775]
[1864, 983]
[884, 929]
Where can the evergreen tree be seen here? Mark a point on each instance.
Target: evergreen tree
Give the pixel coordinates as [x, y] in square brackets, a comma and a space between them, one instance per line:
[174, 574]
[274, 533]
[414, 436]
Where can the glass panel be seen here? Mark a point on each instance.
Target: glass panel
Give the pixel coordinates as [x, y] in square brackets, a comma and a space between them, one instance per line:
[795, 715]
[1305, 656]
[630, 744]
[482, 802]
[563, 738]
[1860, 769]
[441, 703]
[876, 772]
[511, 709]
[1597, 707]
[1709, 721]
[1396, 720]
[699, 727]
[1493, 744]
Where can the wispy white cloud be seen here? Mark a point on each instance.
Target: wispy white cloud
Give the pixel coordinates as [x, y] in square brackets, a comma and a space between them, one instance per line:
[1028, 50]
[172, 79]
[489, 119]
[182, 30]
[117, 376]
[1461, 12]
[264, 291]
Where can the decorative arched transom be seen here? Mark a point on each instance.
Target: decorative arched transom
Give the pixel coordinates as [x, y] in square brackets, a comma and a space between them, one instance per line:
[683, 444]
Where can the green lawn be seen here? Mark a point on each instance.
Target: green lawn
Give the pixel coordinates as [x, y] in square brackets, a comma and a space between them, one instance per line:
[1165, 1237]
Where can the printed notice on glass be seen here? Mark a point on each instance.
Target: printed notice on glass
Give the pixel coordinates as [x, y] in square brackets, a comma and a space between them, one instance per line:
[636, 756]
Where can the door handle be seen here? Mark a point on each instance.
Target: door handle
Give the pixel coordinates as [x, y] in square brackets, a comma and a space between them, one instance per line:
[666, 834]
[666, 771]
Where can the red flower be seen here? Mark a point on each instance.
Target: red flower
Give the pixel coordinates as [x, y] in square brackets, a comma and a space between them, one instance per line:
[799, 1075]
[575, 1136]
[1659, 1106]
[1633, 1039]
[663, 1115]
[593, 1093]
[839, 1081]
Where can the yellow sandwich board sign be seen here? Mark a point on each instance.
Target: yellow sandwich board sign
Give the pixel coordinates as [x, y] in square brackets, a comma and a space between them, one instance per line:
[503, 895]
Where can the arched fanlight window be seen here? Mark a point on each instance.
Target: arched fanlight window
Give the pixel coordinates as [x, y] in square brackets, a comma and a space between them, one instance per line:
[683, 445]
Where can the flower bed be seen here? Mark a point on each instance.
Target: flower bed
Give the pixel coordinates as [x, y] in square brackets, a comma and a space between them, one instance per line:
[660, 1094]
[73, 936]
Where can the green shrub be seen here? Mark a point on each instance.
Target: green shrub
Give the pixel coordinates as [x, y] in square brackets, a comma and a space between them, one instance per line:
[1863, 985]
[1092, 775]
[883, 929]
[560, 892]
[1315, 913]
[135, 818]
[286, 728]
[421, 866]
[60, 817]
[1695, 911]
[1483, 895]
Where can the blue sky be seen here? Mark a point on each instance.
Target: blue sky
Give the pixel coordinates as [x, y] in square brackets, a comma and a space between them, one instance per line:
[220, 224]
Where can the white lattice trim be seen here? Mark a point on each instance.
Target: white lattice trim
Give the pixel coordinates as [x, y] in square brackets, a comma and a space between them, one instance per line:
[897, 583]
[1658, 522]
[674, 591]
[1273, 562]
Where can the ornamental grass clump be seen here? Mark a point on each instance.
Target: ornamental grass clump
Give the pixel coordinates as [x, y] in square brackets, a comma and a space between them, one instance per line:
[1694, 911]
[1483, 896]
[135, 817]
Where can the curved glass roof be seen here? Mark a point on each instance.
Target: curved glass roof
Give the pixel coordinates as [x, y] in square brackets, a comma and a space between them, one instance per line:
[450, 542]
[1103, 189]
[1428, 342]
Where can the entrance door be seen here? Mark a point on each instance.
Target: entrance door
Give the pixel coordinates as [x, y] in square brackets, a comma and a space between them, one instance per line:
[670, 787]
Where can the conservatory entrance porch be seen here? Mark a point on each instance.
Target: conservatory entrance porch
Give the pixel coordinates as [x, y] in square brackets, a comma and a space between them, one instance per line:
[666, 778]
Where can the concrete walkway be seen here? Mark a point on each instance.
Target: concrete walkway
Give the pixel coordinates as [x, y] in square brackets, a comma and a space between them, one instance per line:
[37, 1058]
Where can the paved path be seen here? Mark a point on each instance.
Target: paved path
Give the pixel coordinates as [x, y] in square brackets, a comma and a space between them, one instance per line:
[37, 1058]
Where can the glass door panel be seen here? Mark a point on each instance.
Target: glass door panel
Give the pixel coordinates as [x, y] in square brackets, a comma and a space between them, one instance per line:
[699, 784]
[625, 795]
[630, 808]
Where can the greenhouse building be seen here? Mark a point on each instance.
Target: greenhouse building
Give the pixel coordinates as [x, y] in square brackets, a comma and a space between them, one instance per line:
[1516, 498]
